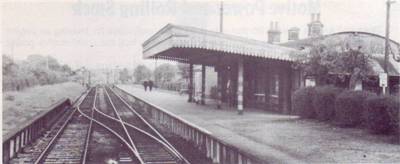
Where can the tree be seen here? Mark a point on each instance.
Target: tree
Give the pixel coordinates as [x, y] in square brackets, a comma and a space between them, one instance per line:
[338, 56]
[165, 73]
[124, 75]
[66, 69]
[141, 73]
[36, 69]
[53, 64]
[9, 66]
[183, 70]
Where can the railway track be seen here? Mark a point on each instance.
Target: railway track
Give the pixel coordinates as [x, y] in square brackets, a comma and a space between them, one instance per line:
[69, 145]
[105, 116]
[151, 146]
[68, 140]
[32, 152]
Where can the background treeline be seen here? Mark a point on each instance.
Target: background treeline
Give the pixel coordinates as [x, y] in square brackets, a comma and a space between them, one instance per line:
[166, 76]
[35, 70]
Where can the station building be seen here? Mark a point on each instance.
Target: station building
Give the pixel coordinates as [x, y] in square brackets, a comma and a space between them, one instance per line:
[250, 73]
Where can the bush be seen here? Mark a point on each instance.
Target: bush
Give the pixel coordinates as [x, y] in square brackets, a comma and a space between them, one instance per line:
[377, 115]
[393, 109]
[324, 102]
[382, 114]
[349, 108]
[302, 102]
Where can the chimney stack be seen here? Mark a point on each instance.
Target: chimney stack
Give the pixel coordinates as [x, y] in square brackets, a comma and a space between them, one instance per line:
[293, 34]
[274, 35]
[315, 26]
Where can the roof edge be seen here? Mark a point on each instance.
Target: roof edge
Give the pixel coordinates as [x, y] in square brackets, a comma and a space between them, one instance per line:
[165, 28]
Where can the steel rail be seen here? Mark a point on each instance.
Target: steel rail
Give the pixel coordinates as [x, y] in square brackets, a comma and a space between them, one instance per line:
[55, 137]
[85, 151]
[147, 133]
[110, 130]
[62, 128]
[124, 127]
[163, 140]
[52, 141]
[142, 131]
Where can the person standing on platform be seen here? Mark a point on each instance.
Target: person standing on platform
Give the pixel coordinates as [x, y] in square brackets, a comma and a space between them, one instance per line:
[151, 85]
[145, 84]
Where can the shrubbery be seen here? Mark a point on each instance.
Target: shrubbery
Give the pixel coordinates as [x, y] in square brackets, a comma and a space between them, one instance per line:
[379, 117]
[324, 102]
[302, 102]
[35, 70]
[393, 109]
[349, 109]
[383, 114]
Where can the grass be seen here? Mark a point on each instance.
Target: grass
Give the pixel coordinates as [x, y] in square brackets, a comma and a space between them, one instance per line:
[21, 106]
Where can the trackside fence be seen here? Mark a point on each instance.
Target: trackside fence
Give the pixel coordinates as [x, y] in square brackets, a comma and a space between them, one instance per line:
[14, 141]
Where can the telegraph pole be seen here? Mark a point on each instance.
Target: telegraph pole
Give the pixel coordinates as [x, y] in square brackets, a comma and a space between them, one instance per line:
[387, 40]
[221, 18]
[387, 44]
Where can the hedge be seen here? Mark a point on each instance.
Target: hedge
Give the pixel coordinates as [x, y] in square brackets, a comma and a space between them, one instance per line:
[349, 109]
[324, 102]
[302, 102]
[383, 114]
[393, 109]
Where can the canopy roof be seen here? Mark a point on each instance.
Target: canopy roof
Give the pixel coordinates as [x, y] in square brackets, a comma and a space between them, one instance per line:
[377, 63]
[183, 43]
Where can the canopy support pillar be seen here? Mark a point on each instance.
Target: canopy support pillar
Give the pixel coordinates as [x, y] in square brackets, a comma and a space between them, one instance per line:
[203, 84]
[219, 86]
[190, 87]
[240, 87]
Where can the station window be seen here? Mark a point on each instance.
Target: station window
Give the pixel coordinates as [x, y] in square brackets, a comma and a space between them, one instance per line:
[310, 81]
[259, 93]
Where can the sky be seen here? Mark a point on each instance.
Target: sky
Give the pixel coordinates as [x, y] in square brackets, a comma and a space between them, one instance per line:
[110, 33]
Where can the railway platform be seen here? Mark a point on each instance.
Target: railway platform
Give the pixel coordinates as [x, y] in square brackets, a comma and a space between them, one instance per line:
[274, 137]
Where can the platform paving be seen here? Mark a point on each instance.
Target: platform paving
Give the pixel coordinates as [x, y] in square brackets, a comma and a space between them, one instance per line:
[275, 137]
